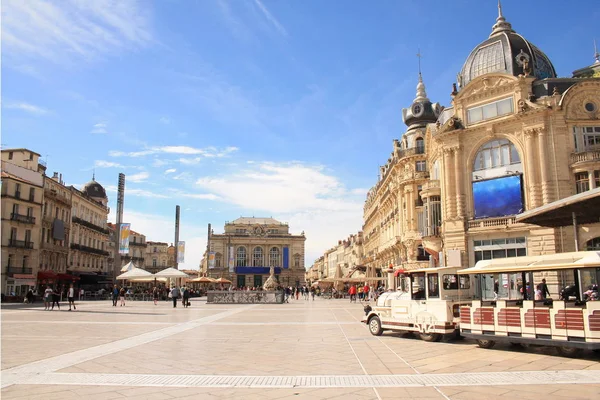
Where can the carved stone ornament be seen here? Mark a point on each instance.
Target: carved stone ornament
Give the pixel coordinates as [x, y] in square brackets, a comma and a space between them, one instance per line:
[576, 106]
[523, 60]
[522, 105]
[488, 85]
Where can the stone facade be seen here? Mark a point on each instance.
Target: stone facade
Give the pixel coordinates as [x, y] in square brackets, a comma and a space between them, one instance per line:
[89, 232]
[137, 248]
[157, 257]
[520, 127]
[22, 199]
[256, 244]
[56, 225]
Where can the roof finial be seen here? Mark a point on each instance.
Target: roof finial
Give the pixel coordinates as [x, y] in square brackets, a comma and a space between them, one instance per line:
[94, 174]
[596, 54]
[421, 94]
[501, 24]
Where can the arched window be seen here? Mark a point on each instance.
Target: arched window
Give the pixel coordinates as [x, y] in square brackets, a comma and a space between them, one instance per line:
[218, 260]
[240, 259]
[420, 145]
[496, 154]
[257, 257]
[593, 244]
[274, 257]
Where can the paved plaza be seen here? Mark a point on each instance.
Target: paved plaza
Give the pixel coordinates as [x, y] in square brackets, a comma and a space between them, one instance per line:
[304, 349]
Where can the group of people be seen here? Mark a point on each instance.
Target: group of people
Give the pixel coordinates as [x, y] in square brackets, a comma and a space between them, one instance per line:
[174, 293]
[52, 297]
[296, 291]
[363, 293]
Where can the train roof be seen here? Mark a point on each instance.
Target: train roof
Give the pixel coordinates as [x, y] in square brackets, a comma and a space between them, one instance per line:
[579, 259]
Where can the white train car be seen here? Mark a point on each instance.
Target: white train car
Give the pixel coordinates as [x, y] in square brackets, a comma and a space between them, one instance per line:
[427, 302]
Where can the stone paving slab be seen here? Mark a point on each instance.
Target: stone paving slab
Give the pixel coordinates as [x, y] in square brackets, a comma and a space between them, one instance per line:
[303, 349]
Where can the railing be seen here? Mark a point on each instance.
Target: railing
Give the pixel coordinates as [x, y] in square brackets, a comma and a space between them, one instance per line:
[590, 155]
[22, 218]
[412, 151]
[138, 259]
[490, 222]
[431, 231]
[22, 244]
[55, 247]
[432, 184]
[18, 270]
[86, 249]
[59, 197]
[137, 244]
[87, 224]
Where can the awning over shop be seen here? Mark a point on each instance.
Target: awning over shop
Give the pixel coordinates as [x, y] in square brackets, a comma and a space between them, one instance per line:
[399, 272]
[585, 207]
[24, 276]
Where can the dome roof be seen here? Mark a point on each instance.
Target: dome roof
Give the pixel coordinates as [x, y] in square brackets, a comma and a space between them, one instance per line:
[94, 190]
[507, 52]
[422, 111]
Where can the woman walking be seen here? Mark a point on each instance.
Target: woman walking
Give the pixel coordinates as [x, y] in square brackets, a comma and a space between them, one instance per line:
[55, 299]
[122, 296]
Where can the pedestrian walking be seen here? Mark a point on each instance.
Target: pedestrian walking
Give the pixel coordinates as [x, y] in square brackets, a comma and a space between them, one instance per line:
[55, 299]
[312, 293]
[366, 290]
[29, 296]
[186, 297]
[155, 295]
[115, 295]
[297, 292]
[122, 296]
[174, 295]
[47, 298]
[71, 297]
[352, 293]
[288, 293]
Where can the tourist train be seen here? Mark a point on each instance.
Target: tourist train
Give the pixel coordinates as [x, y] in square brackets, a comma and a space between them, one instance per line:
[500, 301]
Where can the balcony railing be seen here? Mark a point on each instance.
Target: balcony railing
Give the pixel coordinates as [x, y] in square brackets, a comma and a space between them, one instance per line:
[412, 151]
[27, 219]
[59, 197]
[18, 270]
[21, 244]
[86, 249]
[491, 222]
[142, 244]
[87, 224]
[431, 231]
[55, 247]
[593, 154]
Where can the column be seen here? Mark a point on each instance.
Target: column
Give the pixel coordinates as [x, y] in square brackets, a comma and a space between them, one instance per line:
[458, 180]
[530, 174]
[448, 186]
[591, 179]
[544, 165]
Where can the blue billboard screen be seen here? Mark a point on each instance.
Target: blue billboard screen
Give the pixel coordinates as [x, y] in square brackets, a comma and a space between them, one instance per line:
[498, 197]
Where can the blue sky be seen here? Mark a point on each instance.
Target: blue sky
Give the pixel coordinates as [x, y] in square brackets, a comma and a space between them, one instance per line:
[244, 107]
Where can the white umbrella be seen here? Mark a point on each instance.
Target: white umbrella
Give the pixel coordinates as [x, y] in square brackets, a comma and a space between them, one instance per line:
[134, 273]
[171, 273]
[148, 279]
[128, 267]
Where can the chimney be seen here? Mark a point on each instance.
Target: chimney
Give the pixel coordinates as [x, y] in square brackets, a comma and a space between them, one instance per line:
[55, 175]
[60, 181]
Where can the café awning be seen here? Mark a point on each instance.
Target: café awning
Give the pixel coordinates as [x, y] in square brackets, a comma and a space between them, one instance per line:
[585, 207]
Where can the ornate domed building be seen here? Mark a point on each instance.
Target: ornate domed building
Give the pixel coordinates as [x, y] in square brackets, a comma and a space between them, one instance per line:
[515, 137]
[95, 191]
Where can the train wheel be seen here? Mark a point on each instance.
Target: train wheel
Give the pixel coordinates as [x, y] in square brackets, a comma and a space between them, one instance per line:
[430, 337]
[568, 351]
[485, 344]
[375, 326]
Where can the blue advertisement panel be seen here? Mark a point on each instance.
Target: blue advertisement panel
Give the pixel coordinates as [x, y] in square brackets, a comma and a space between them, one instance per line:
[286, 257]
[498, 197]
[256, 270]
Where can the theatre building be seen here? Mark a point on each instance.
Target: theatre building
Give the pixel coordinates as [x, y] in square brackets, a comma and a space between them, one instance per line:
[255, 245]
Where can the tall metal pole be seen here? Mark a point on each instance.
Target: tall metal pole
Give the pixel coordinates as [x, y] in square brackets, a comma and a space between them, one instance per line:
[208, 251]
[119, 221]
[176, 235]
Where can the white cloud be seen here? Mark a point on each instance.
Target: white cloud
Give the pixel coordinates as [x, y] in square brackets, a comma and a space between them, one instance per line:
[30, 108]
[160, 228]
[267, 14]
[139, 177]
[164, 120]
[110, 164]
[306, 196]
[201, 196]
[190, 161]
[68, 30]
[170, 171]
[186, 150]
[138, 192]
[99, 128]
[157, 162]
